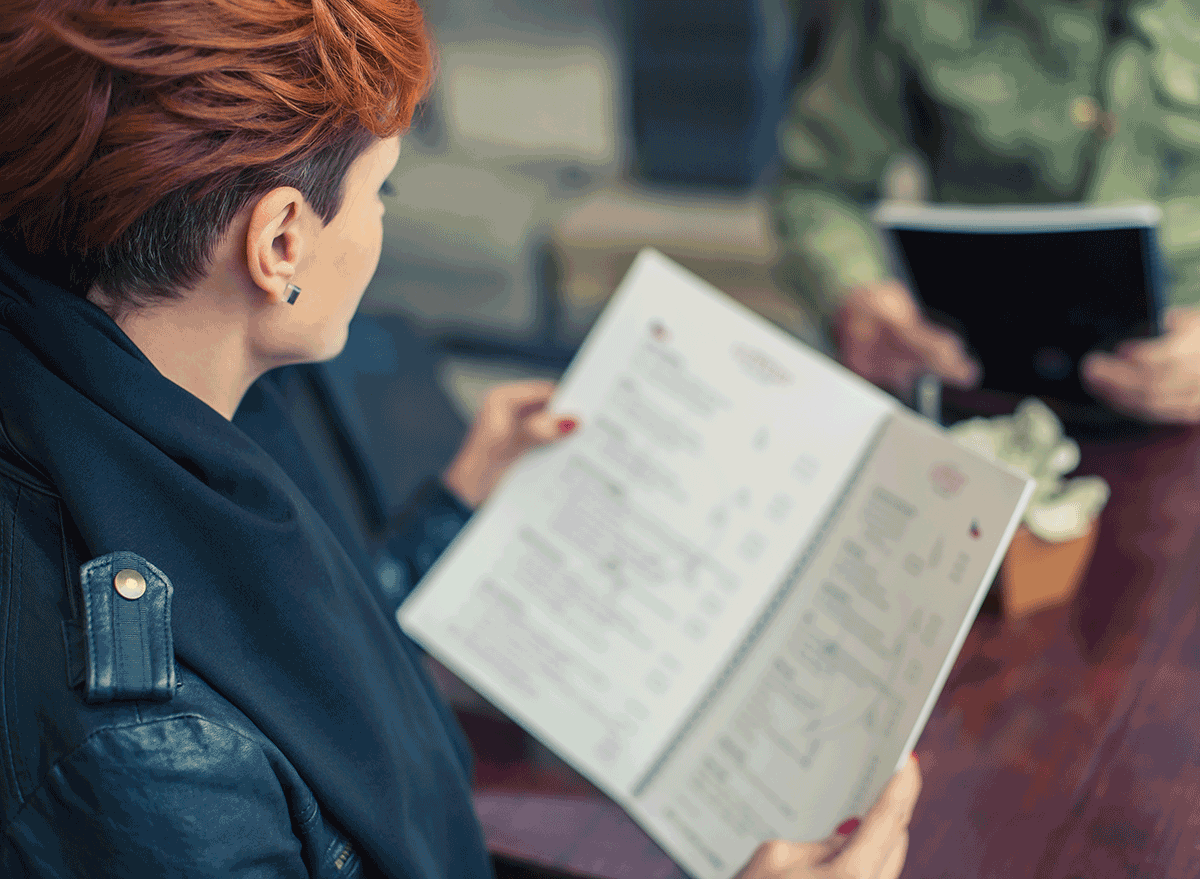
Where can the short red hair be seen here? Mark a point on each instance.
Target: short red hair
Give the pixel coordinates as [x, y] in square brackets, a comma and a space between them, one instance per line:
[109, 106]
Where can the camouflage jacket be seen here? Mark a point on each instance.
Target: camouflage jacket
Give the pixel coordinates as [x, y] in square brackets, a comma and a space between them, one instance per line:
[989, 102]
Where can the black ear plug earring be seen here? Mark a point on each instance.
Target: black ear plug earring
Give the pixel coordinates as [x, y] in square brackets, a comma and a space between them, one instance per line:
[293, 293]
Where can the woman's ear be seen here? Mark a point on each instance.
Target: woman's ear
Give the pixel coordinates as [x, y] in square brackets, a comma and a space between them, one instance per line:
[278, 237]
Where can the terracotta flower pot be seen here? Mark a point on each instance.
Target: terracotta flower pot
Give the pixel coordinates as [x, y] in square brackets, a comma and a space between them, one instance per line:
[1036, 575]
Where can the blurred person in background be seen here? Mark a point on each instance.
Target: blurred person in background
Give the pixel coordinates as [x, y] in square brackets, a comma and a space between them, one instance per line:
[199, 672]
[955, 101]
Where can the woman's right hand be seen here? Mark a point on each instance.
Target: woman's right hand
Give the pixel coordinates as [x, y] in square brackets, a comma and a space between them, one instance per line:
[873, 850]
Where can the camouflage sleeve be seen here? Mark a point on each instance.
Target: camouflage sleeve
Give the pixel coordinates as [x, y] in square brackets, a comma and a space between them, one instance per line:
[841, 132]
[1152, 152]
[1179, 236]
[1169, 28]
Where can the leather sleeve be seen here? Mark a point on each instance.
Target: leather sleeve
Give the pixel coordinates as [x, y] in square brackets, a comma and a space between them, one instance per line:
[420, 534]
[176, 797]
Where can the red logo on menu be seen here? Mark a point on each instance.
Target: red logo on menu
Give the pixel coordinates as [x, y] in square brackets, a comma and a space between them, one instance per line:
[946, 479]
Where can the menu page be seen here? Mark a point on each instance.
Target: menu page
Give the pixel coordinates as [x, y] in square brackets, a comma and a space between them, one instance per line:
[605, 585]
[833, 685]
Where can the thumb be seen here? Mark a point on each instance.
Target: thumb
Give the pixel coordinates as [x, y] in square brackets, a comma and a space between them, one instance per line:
[545, 427]
[836, 841]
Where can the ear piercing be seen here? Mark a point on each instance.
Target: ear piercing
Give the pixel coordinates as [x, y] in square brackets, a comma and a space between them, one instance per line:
[293, 293]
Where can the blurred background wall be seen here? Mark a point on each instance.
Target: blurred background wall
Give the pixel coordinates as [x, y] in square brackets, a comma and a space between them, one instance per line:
[560, 138]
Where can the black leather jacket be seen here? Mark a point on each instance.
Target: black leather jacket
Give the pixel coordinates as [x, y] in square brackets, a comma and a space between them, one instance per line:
[169, 780]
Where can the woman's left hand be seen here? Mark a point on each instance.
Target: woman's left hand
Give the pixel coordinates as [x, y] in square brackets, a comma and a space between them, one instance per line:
[512, 420]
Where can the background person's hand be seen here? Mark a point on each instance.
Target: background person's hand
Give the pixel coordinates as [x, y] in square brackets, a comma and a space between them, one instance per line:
[1153, 379]
[874, 850]
[511, 420]
[883, 336]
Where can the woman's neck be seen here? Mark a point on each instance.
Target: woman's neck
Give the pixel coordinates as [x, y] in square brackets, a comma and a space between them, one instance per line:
[196, 343]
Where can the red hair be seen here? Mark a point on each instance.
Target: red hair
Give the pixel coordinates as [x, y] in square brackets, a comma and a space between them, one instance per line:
[111, 105]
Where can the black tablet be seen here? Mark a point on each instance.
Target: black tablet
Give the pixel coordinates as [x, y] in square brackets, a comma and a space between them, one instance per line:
[1032, 289]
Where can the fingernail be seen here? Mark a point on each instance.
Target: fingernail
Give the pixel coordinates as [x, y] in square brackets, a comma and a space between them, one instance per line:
[849, 826]
[566, 425]
[916, 759]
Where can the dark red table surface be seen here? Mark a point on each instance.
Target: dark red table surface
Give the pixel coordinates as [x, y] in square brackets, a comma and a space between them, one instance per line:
[1066, 744]
[1059, 743]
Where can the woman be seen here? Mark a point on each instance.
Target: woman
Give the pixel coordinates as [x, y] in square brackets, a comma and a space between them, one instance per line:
[198, 674]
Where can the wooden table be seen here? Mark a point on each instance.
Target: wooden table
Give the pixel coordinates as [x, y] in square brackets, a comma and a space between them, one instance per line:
[1067, 744]
[1036, 723]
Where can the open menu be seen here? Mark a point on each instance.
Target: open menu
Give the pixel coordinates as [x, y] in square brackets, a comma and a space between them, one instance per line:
[731, 598]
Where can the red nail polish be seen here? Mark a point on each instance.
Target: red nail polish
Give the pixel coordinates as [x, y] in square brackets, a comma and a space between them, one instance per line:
[916, 759]
[848, 826]
[566, 425]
